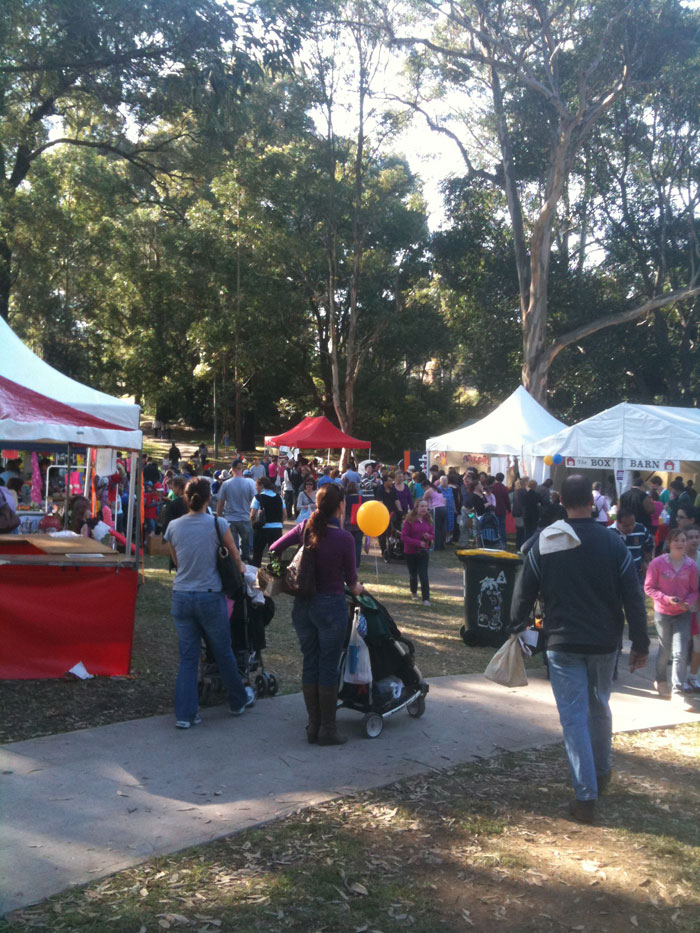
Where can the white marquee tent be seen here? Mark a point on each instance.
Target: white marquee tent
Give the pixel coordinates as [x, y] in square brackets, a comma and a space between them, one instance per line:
[93, 419]
[507, 431]
[626, 438]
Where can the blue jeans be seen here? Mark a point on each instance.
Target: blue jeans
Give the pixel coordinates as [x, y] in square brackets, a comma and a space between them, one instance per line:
[502, 526]
[674, 635]
[321, 625]
[582, 684]
[203, 615]
[241, 532]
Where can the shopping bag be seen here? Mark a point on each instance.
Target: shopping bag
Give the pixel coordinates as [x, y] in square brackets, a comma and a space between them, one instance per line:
[507, 667]
[358, 668]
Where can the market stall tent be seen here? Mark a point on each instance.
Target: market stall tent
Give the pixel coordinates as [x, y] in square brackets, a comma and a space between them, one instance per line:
[63, 600]
[315, 434]
[627, 438]
[19, 364]
[506, 431]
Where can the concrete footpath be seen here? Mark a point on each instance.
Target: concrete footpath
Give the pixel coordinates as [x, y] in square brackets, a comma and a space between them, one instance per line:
[82, 805]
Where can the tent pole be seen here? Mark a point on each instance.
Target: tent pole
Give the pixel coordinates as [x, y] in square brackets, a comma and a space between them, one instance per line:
[67, 492]
[86, 485]
[130, 512]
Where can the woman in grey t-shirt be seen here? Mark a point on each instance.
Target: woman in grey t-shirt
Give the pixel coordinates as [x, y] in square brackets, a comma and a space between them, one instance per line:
[199, 605]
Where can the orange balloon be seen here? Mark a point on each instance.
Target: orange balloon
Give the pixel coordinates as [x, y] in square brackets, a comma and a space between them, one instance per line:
[373, 518]
[549, 459]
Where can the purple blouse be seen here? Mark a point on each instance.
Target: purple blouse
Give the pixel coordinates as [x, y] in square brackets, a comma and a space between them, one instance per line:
[335, 558]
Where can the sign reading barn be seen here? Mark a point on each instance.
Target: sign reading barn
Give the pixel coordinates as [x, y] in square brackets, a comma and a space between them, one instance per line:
[631, 463]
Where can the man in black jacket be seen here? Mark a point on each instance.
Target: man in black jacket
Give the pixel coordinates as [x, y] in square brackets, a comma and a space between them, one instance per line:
[586, 578]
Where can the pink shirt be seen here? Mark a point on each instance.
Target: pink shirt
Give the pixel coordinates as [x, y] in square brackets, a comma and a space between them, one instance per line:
[663, 582]
[434, 498]
[412, 536]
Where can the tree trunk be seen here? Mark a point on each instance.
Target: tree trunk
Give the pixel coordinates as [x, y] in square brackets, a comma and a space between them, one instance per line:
[5, 278]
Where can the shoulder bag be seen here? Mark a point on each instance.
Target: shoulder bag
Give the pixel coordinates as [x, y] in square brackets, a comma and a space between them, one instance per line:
[300, 576]
[232, 582]
[260, 519]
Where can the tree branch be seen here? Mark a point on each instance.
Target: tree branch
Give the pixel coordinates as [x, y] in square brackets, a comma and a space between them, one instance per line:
[611, 320]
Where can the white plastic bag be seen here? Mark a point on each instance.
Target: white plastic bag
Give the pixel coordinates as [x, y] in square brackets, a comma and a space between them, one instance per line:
[358, 669]
[507, 667]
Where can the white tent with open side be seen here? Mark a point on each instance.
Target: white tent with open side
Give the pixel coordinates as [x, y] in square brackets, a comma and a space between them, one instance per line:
[626, 438]
[507, 431]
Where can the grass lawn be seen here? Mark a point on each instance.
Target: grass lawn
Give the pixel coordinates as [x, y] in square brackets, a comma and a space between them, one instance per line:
[485, 847]
[41, 707]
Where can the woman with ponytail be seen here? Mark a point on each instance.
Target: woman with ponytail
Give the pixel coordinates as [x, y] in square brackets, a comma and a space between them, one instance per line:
[321, 622]
[199, 605]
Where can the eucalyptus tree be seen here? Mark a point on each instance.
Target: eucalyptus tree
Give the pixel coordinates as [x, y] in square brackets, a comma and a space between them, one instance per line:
[520, 87]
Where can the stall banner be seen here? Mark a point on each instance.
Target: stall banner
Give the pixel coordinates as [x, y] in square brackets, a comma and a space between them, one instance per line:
[52, 617]
[611, 463]
[416, 459]
[481, 461]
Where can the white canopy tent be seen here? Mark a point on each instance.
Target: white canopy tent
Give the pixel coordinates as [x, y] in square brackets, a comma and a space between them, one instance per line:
[40, 407]
[627, 438]
[505, 432]
[21, 366]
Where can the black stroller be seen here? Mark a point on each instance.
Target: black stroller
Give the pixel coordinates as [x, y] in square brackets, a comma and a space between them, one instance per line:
[248, 623]
[396, 681]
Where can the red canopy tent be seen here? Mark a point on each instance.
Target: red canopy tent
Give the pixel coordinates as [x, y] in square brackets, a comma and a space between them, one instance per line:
[314, 434]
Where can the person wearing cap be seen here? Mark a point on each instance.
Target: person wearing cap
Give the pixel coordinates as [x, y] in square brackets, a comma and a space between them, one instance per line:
[233, 502]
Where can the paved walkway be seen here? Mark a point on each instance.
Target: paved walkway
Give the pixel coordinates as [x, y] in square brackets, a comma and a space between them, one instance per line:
[82, 805]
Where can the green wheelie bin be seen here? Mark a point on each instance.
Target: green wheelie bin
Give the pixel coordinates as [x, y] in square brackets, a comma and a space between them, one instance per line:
[489, 580]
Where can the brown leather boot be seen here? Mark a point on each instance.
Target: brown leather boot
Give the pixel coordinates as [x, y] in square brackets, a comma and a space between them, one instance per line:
[328, 733]
[313, 709]
[583, 811]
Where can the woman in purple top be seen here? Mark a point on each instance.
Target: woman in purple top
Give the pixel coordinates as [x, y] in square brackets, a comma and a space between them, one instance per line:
[321, 622]
[403, 495]
[417, 536]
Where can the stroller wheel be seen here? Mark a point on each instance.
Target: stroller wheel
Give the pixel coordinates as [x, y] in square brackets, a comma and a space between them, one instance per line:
[272, 685]
[417, 708]
[373, 724]
[260, 686]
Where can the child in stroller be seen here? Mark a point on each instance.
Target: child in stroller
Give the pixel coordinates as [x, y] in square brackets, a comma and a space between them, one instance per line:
[397, 682]
[249, 618]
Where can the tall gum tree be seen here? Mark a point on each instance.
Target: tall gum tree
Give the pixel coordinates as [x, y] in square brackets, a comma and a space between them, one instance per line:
[536, 78]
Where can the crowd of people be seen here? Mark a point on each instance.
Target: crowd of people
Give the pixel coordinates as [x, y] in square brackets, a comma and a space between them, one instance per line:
[589, 558]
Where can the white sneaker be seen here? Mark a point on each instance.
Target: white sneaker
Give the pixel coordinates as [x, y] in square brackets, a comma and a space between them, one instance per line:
[426, 602]
[187, 723]
[414, 597]
[251, 698]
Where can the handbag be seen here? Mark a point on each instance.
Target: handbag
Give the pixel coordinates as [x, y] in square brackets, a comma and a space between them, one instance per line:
[260, 521]
[507, 667]
[300, 576]
[232, 582]
[9, 520]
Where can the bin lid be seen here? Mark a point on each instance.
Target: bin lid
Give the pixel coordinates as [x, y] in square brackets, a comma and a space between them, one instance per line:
[488, 553]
